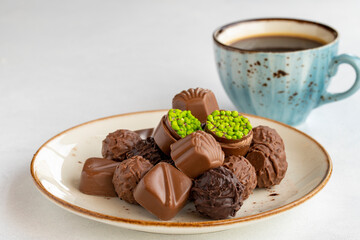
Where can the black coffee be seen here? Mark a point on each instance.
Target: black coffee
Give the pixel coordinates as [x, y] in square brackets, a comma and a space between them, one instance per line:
[276, 43]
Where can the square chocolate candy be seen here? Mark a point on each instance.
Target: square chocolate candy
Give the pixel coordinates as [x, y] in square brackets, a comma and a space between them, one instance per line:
[163, 191]
[96, 177]
[197, 153]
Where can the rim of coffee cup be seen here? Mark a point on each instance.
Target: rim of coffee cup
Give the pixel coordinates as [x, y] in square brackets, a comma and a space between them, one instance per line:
[220, 30]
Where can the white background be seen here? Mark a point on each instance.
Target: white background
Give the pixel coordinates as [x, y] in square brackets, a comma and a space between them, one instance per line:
[67, 62]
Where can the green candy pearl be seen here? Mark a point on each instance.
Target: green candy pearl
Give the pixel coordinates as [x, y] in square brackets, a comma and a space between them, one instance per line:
[240, 135]
[228, 137]
[175, 127]
[216, 113]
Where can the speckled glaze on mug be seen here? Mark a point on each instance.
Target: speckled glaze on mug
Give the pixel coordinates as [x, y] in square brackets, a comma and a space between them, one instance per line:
[283, 86]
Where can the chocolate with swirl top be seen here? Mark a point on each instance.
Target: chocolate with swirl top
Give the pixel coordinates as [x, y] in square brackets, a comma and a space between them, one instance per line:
[217, 193]
[267, 155]
[201, 102]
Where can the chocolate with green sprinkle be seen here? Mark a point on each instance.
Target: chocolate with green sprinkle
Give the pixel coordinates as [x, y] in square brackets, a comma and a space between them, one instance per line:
[183, 122]
[228, 124]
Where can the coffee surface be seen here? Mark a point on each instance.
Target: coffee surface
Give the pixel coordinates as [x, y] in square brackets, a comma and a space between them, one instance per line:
[276, 43]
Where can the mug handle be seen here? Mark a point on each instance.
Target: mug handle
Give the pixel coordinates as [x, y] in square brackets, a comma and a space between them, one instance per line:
[327, 97]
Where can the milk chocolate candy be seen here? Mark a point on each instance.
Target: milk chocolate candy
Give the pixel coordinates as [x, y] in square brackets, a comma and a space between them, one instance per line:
[267, 155]
[96, 177]
[197, 153]
[128, 174]
[117, 143]
[244, 171]
[164, 136]
[238, 147]
[163, 191]
[201, 102]
[231, 130]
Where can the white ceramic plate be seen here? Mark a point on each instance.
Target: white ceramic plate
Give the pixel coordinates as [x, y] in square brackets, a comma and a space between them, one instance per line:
[57, 165]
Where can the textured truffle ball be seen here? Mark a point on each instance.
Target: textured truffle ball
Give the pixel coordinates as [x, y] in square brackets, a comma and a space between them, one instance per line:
[244, 171]
[217, 193]
[150, 151]
[116, 144]
[267, 155]
[128, 174]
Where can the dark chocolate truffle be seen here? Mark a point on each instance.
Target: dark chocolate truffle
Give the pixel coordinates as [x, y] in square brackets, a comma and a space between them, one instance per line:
[217, 193]
[128, 174]
[267, 155]
[116, 144]
[148, 150]
[244, 171]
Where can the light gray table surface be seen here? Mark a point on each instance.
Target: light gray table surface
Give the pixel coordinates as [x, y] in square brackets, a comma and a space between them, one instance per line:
[67, 62]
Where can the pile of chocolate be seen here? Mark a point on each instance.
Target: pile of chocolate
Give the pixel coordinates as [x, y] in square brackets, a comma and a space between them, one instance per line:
[196, 153]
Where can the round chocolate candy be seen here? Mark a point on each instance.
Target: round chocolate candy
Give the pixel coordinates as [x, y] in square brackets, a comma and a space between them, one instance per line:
[232, 130]
[127, 175]
[217, 193]
[117, 143]
[173, 126]
[149, 150]
[244, 171]
[267, 155]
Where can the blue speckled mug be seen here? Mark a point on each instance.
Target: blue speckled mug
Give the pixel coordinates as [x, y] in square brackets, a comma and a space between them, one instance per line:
[284, 86]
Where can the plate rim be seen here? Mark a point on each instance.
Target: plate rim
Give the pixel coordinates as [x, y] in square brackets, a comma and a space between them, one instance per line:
[104, 217]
